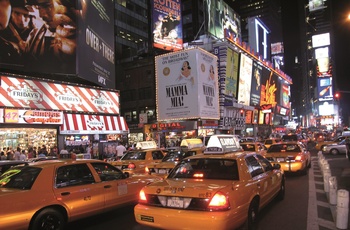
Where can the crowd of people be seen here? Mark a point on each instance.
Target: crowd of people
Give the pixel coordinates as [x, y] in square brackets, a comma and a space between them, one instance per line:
[22, 154]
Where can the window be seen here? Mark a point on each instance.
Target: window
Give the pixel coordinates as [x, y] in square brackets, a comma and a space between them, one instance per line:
[254, 167]
[107, 172]
[72, 175]
[157, 155]
[265, 163]
[145, 93]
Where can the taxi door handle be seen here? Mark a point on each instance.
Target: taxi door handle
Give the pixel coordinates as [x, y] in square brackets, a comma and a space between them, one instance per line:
[65, 193]
[108, 186]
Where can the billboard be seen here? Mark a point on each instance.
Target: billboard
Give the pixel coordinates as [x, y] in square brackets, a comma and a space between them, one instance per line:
[259, 37]
[324, 89]
[256, 84]
[221, 21]
[167, 24]
[26, 93]
[62, 37]
[269, 88]
[95, 49]
[321, 40]
[187, 85]
[231, 80]
[245, 79]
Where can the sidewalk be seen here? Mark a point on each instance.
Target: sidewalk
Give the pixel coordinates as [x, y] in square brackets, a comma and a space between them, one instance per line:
[340, 169]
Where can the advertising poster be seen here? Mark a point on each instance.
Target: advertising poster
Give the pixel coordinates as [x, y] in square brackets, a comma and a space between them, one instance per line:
[187, 85]
[60, 37]
[324, 88]
[245, 79]
[256, 85]
[269, 88]
[221, 21]
[26, 93]
[95, 48]
[45, 43]
[231, 73]
[167, 24]
[285, 95]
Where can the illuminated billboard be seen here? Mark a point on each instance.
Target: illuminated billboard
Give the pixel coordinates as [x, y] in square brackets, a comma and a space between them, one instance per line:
[187, 85]
[167, 24]
[259, 37]
[64, 37]
[245, 79]
[269, 88]
[315, 5]
[231, 79]
[321, 40]
[324, 89]
[256, 84]
[221, 21]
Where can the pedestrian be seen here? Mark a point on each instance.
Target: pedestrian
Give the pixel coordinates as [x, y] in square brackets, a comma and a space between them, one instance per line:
[120, 150]
[2, 156]
[23, 155]
[17, 154]
[64, 150]
[347, 143]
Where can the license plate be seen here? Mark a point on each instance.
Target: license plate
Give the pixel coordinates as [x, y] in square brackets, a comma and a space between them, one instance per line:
[280, 159]
[162, 171]
[175, 202]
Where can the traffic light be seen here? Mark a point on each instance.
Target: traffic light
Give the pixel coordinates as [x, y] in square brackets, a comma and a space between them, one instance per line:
[336, 96]
[242, 112]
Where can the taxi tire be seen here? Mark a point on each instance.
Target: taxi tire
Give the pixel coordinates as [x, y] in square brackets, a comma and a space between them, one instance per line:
[334, 151]
[49, 218]
[252, 215]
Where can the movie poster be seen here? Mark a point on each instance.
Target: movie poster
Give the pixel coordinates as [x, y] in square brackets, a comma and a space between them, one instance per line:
[231, 80]
[167, 24]
[245, 79]
[256, 85]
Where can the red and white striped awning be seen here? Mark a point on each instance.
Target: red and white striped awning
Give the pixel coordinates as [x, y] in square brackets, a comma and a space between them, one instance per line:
[93, 124]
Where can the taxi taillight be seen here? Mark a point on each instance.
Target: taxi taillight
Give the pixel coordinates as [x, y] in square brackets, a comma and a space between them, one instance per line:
[131, 166]
[146, 169]
[142, 196]
[299, 157]
[219, 202]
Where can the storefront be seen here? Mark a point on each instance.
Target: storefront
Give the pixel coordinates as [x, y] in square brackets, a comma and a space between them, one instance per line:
[35, 113]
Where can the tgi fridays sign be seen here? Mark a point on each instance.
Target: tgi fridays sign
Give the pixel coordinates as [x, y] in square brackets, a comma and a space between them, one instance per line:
[20, 116]
[33, 94]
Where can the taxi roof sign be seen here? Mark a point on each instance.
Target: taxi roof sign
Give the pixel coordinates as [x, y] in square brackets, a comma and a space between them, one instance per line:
[221, 144]
[146, 145]
[192, 143]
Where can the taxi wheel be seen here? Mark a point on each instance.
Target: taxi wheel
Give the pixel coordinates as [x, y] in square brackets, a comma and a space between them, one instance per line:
[252, 215]
[49, 218]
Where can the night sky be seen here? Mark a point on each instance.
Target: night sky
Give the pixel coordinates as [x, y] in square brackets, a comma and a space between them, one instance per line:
[340, 45]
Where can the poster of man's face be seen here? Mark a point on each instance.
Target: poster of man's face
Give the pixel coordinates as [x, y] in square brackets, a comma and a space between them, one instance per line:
[109, 149]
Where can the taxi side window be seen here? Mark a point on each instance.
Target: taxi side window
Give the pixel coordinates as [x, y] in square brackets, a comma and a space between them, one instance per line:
[157, 155]
[72, 175]
[265, 163]
[254, 166]
[107, 172]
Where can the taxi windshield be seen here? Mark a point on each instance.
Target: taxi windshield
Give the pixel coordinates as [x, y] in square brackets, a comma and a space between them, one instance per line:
[206, 168]
[19, 177]
[134, 155]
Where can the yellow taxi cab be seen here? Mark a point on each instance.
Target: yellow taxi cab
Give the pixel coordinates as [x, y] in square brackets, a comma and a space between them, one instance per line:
[188, 147]
[135, 161]
[292, 156]
[223, 188]
[254, 147]
[268, 142]
[48, 194]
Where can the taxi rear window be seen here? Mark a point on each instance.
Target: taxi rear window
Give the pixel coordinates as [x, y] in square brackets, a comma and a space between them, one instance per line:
[248, 147]
[205, 168]
[134, 155]
[284, 148]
